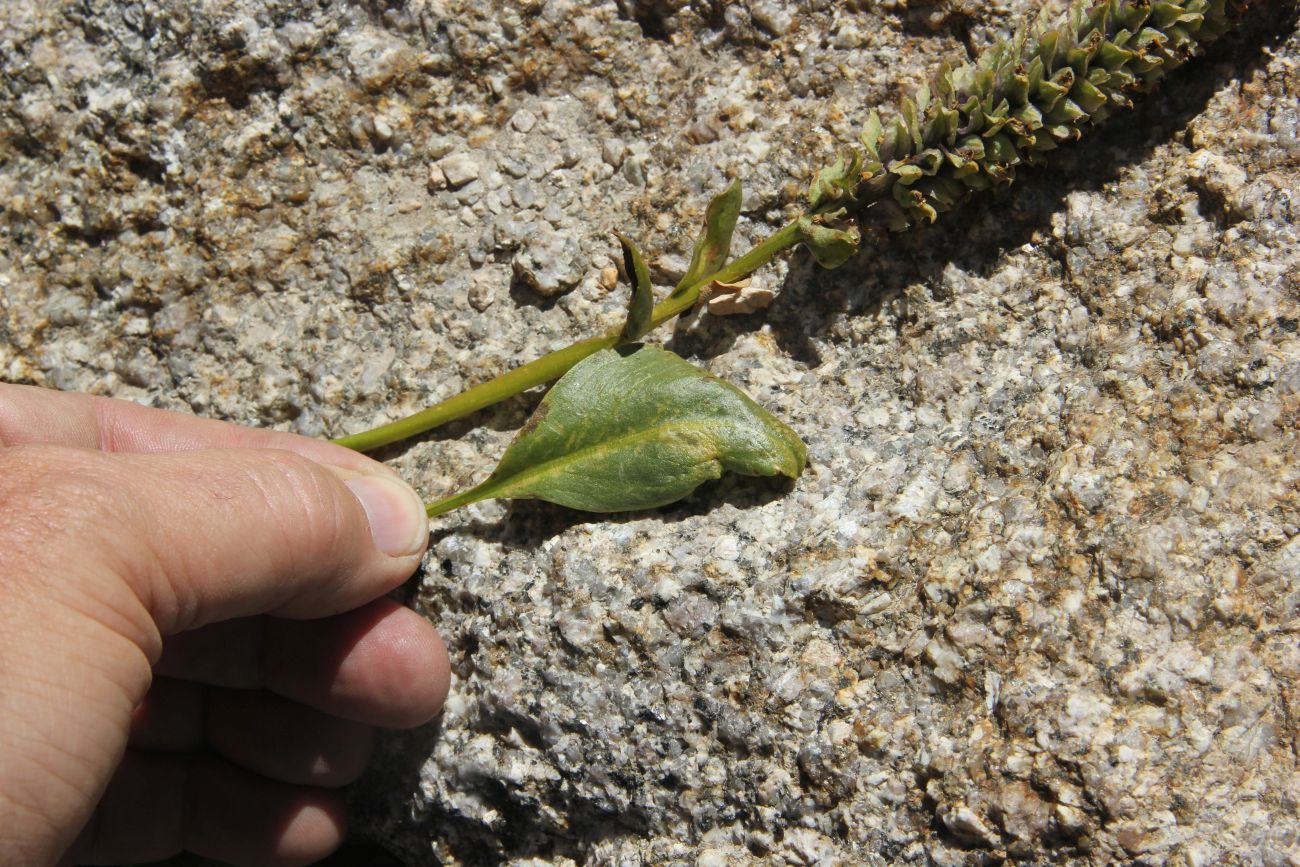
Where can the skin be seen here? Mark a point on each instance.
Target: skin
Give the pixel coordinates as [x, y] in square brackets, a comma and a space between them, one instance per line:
[195, 644]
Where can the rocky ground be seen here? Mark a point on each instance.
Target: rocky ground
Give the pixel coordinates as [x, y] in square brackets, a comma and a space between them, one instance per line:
[1037, 596]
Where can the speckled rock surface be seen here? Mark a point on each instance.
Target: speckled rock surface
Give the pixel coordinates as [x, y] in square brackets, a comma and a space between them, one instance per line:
[1038, 593]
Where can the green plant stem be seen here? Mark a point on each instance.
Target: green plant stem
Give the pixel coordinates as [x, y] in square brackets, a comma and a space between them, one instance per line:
[522, 378]
[442, 507]
[555, 364]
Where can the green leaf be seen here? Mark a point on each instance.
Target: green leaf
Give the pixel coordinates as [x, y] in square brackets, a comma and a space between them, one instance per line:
[830, 247]
[837, 184]
[634, 428]
[714, 244]
[640, 308]
[872, 132]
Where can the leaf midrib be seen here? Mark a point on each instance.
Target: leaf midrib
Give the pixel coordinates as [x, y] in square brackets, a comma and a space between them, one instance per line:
[492, 488]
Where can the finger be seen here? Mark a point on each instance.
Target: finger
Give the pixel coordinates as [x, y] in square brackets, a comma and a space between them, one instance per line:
[210, 535]
[257, 730]
[30, 415]
[170, 718]
[381, 665]
[286, 741]
[158, 806]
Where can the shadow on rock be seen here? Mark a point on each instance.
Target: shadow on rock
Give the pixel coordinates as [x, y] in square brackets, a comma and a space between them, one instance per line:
[380, 800]
[529, 523]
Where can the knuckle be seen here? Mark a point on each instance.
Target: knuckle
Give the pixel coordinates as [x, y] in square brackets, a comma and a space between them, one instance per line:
[61, 517]
[54, 491]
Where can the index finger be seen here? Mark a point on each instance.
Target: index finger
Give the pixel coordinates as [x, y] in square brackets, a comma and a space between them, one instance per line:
[30, 415]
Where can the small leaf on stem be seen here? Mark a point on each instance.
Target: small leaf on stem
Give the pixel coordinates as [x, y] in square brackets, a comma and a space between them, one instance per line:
[830, 247]
[838, 184]
[714, 243]
[635, 428]
[640, 307]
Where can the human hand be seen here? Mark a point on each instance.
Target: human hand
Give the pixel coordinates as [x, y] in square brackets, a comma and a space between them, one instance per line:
[194, 644]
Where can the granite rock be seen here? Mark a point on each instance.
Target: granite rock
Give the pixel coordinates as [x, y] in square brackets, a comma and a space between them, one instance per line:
[1037, 595]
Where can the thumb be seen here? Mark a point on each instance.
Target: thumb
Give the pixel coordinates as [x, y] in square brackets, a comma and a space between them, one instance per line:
[101, 553]
[205, 536]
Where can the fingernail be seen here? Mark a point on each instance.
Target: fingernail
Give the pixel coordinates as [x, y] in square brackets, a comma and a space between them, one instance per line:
[397, 520]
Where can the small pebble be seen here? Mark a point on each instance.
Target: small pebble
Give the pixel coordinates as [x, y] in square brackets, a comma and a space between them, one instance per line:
[614, 151]
[524, 120]
[459, 169]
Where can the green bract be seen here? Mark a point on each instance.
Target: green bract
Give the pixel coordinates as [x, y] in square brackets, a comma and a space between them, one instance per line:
[635, 428]
[971, 126]
[830, 247]
[714, 243]
[640, 308]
